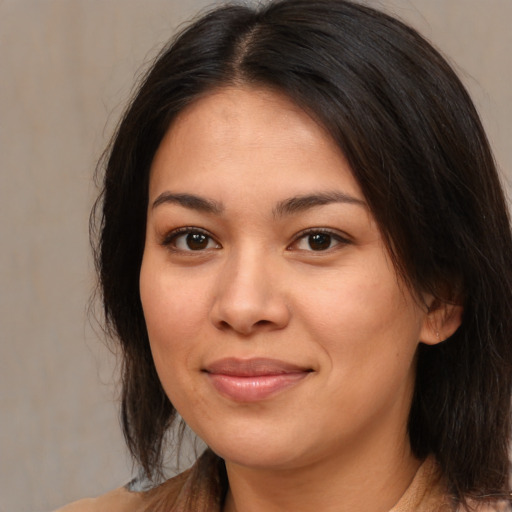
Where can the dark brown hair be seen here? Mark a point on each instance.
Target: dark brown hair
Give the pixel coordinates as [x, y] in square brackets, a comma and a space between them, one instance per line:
[417, 148]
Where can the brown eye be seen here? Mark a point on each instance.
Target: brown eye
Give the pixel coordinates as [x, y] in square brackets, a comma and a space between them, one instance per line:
[196, 241]
[188, 240]
[319, 241]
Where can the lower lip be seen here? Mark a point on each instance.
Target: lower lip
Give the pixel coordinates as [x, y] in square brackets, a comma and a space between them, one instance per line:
[254, 388]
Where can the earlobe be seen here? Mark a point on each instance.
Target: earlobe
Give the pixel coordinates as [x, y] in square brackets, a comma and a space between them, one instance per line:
[440, 323]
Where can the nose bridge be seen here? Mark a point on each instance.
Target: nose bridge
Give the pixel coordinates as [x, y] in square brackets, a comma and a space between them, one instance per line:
[248, 295]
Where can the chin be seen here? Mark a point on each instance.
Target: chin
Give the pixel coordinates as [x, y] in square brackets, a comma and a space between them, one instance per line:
[258, 450]
[253, 457]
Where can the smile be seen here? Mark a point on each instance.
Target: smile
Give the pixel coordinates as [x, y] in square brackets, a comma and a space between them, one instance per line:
[252, 380]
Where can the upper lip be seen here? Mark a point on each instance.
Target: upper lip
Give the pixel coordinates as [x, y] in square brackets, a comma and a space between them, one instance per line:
[254, 367]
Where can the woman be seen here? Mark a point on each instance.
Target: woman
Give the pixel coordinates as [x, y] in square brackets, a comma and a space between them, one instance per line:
[304, 249]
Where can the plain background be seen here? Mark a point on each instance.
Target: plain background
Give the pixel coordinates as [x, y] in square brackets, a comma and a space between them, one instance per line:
[67, 68]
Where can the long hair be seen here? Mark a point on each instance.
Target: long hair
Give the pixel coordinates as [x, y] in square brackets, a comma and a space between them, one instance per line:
[416, 147]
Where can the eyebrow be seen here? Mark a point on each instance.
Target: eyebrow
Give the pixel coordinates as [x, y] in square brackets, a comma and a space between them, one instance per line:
[305, 202]
[189, 201]
[289, 206]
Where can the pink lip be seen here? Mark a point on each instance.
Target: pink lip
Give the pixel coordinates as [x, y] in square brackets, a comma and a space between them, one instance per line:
[251, 380]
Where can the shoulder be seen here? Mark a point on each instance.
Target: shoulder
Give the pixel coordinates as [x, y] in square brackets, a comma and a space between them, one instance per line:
[119, 500]
[124, 500]
[198, 488]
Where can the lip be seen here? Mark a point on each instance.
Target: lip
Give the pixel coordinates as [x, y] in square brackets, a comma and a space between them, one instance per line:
[252, 380]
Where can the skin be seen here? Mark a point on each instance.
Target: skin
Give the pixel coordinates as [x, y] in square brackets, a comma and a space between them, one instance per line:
[254, 287]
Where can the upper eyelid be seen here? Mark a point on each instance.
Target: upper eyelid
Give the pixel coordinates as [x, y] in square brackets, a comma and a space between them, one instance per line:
[339, 235]
[169, 236]
[329, 231]
[341, 238]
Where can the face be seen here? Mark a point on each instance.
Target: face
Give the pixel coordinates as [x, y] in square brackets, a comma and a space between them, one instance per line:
[278, 326]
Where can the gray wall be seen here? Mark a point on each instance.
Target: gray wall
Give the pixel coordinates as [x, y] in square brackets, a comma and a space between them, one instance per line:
[67, 67]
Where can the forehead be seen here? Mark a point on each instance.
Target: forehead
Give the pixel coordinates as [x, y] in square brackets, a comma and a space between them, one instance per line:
[245, 135]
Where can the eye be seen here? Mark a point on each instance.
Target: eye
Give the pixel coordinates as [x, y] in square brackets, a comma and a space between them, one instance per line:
[318, 240]
[190, 239]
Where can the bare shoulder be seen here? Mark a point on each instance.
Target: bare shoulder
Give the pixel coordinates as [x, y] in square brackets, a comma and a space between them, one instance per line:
[119, 500]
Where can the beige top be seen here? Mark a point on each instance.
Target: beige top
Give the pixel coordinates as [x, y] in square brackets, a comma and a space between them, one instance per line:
[202, 489]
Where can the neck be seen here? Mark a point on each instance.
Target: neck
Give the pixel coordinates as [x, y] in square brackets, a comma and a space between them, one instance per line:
[373, 481]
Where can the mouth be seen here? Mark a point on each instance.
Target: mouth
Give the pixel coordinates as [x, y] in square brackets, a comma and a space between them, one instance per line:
[252, 380]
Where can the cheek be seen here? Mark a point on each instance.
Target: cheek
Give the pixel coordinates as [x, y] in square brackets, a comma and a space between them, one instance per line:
[173, 313]
[368, 336]
[351, 302]
[363, 320]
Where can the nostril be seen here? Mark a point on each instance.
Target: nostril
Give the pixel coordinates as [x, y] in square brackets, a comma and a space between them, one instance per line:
[263, 323]
[249, 314]
[224, 325]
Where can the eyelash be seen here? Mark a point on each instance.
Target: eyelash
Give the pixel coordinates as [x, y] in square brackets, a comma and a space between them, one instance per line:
[334, 235]
[170, 239]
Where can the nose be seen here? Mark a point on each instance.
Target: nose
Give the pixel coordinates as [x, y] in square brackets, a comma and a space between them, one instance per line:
[249, 297]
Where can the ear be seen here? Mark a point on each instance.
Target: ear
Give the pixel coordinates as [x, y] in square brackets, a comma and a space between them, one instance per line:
[440, 322]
